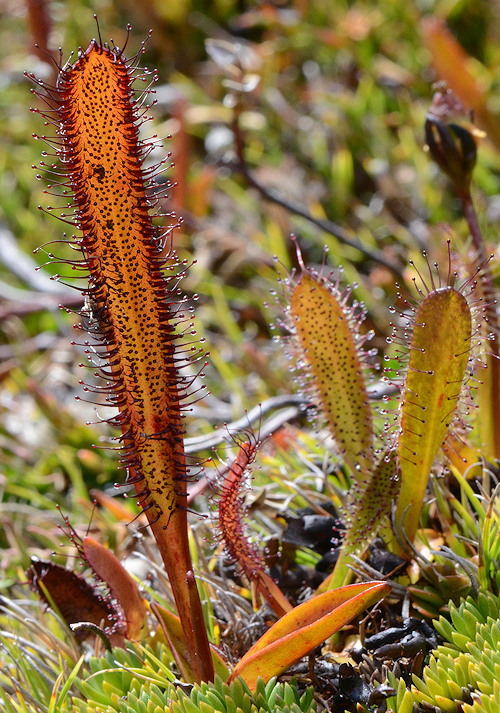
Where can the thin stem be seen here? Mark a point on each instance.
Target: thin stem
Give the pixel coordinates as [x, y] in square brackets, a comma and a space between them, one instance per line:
[491, 384]
[174, 549]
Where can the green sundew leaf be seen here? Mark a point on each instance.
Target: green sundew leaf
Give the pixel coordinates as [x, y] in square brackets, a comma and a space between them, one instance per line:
[439, 352]
[329, 343]
[369, 514]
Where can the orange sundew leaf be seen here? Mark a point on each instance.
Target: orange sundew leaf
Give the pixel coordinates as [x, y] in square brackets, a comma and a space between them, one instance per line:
[304, 628]
[331, 348]
[132, 300]
[120, 583]
[122, 253]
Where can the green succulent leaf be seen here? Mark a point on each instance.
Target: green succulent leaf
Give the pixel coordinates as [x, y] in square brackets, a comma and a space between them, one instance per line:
[464, 673]
[236, 697]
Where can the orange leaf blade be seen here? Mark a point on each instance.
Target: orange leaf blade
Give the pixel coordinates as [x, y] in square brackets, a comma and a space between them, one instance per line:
[120, 583]
[304, 628]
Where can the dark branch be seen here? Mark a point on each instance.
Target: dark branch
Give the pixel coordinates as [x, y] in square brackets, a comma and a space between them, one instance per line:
[296, 208]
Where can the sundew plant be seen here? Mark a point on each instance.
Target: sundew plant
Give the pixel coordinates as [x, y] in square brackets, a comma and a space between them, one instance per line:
[353, 502]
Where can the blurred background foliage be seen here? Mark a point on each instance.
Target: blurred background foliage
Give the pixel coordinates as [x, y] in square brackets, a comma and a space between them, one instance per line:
[330, 100]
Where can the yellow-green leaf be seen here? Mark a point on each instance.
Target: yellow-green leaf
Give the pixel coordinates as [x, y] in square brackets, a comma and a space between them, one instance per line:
[331, 347]
[439, 352]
